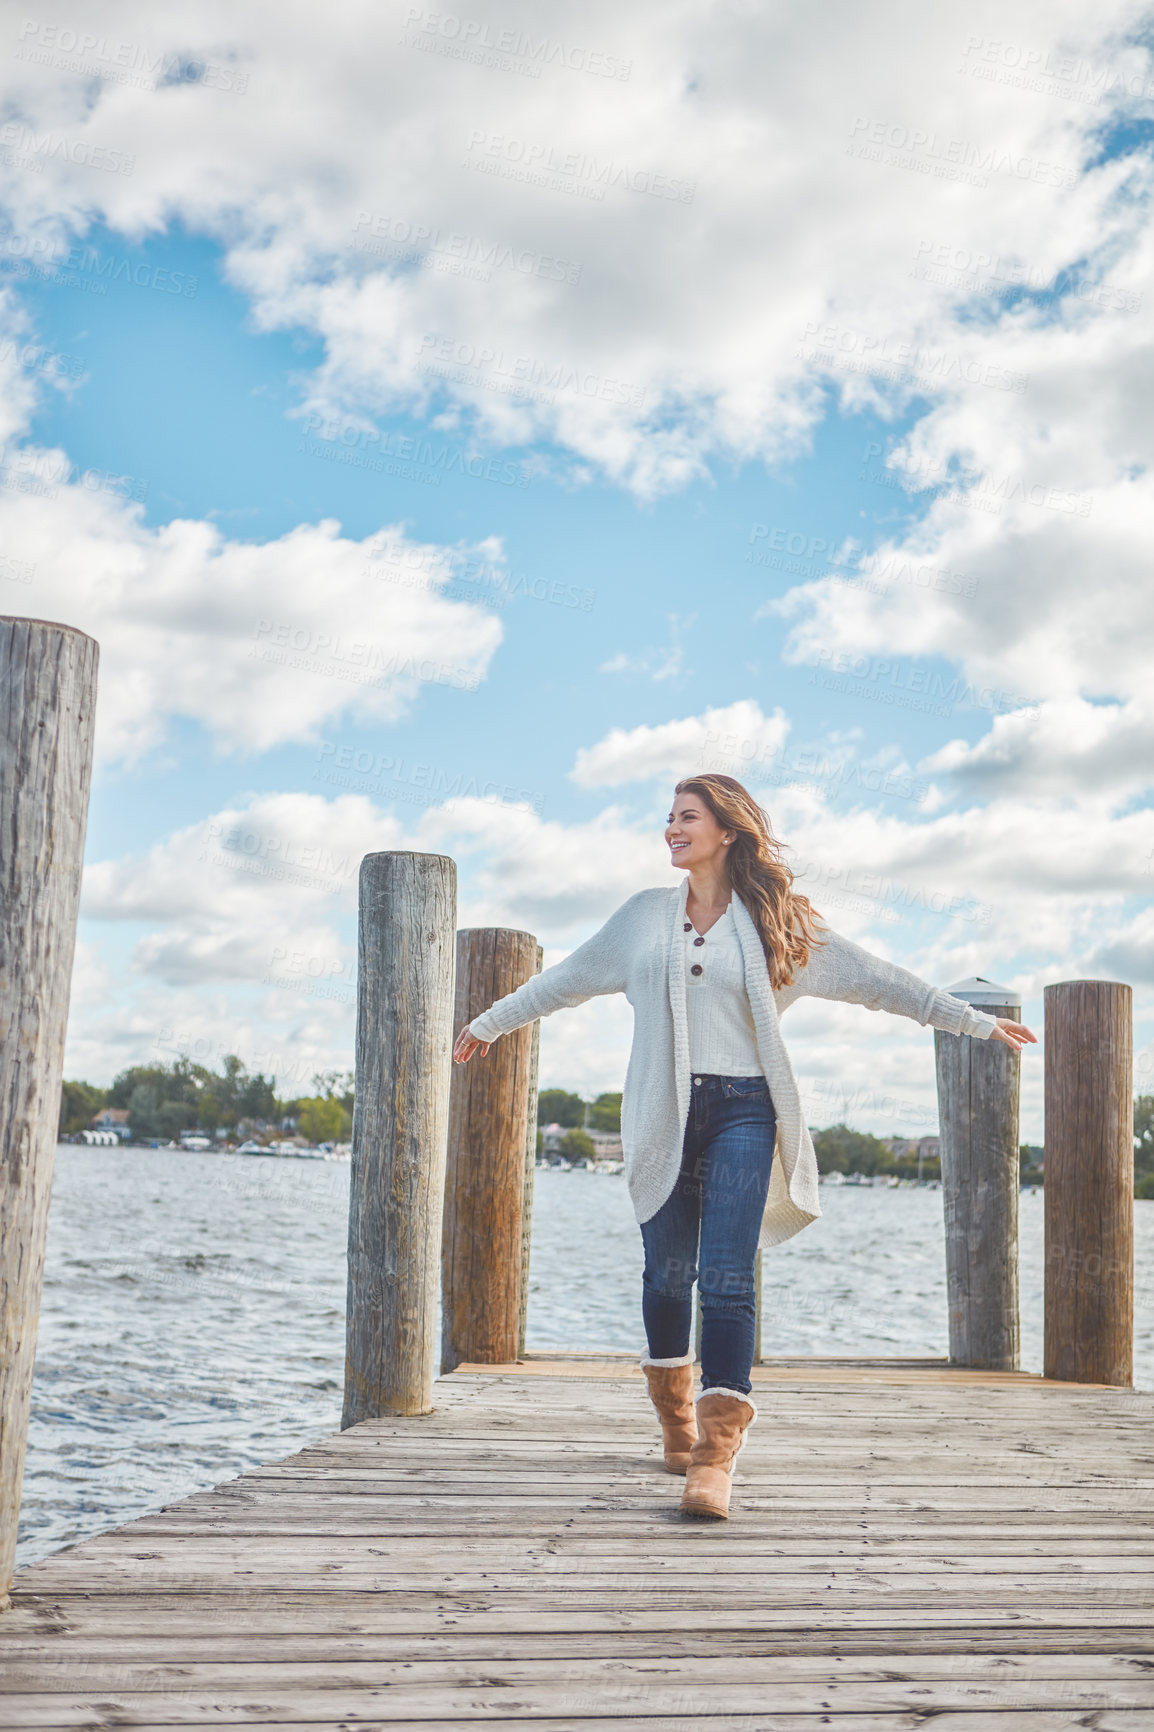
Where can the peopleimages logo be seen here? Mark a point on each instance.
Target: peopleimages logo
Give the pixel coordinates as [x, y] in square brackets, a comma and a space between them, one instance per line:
[20, 145]
[120, 62]
[527, 159]
[432, 780]
[358, 662]
[71, 267]
[930, 152]
[421, 242]
[520, 375]
[478, 40]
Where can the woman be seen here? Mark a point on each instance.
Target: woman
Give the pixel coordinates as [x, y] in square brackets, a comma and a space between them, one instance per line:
[710, 1097]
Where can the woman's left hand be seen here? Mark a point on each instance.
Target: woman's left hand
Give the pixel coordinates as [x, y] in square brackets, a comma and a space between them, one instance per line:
[1015, 1034]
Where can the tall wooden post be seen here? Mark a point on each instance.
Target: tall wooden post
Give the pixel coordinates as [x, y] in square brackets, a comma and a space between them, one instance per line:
[978, 1125]
[482, 1251]
[1089, 1182]
[530, 1171]
[47, 704]
[408, 916]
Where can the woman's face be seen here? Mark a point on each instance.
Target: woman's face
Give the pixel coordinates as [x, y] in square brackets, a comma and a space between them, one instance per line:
[694, 836]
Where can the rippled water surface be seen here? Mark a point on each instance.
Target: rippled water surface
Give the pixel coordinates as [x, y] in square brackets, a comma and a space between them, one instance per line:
[193, 1314]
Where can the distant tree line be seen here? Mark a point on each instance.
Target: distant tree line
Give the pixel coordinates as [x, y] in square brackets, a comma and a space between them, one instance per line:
[557, 1107]
[840, 1150]
[164, 1100]
[1144, 1146]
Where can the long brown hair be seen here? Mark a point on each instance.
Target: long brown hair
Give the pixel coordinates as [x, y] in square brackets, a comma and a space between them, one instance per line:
[787, 923]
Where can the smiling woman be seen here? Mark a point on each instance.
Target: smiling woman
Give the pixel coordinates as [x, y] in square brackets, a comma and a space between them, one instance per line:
[710, 1096]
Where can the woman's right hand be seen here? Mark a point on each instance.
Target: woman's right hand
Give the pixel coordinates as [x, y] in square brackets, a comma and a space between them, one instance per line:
[467, 1045]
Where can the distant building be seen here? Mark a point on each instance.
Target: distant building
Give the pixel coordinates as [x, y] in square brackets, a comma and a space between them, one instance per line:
[110, 1119]
[606, 1144]
[551, 1140]
[914, 1148]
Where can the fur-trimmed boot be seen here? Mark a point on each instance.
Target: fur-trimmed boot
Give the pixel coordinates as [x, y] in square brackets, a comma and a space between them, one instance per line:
[723, 1418]
[671, 1392]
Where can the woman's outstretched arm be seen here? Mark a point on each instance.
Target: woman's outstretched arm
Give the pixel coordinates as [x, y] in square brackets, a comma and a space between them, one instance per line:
[598, 966]
[840, 970]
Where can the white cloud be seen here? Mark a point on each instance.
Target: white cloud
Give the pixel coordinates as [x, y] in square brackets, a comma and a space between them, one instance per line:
[477, 282]
[261, 642]
[670, 750]
[1067, 747]
[730, 136]
[1031, 565]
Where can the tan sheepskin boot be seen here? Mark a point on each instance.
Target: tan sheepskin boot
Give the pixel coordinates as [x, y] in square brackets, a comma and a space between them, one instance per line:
[671, 1392]
[723, 1418]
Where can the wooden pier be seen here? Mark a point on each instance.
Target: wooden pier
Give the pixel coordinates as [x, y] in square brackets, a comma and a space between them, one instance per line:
[910, 1543]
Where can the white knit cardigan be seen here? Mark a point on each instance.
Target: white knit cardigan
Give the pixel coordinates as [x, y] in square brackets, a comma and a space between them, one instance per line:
[639, 952]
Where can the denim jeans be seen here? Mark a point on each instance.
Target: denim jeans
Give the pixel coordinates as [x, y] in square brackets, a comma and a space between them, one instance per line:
[717, 1205]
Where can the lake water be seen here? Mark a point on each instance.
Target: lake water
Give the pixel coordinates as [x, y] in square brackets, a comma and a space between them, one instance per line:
[193, 1314]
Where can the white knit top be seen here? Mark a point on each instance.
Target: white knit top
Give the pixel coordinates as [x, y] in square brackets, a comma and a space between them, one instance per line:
[722, 1034]
[640, 951]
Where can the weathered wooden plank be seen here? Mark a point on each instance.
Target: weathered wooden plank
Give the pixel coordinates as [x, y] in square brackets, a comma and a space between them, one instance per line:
[932, 1553]
[220, 1662]
[487, 1696]
[90, 1672]
[950, 1548]
[765, 1720]
[612, 1530]
[228, 1613]
[638, 1584]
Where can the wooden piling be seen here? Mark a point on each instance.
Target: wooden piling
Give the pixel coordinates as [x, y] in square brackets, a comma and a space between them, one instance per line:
[978, 1125]
[482, 1252]
[530, 1171]
[47, 705]
[408, 918]
[1089, 1182]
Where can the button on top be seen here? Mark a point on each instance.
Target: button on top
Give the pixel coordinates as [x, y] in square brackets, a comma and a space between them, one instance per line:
[688, 926]
[699, 941]
[696, 969]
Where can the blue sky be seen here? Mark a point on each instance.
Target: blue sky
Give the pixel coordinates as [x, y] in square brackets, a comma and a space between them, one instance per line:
[792, 476]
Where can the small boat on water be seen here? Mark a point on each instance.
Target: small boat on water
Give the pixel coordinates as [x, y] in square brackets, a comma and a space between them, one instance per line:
[284, 1149]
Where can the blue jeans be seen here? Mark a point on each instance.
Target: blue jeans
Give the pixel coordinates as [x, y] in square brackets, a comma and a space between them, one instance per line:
[717, 1202]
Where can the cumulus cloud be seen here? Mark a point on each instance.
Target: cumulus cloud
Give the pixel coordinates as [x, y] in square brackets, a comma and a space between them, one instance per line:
[529, 268]
[669, 750]
[526, 261]
[261, 642]
[1030, 566]
[1068, 747]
